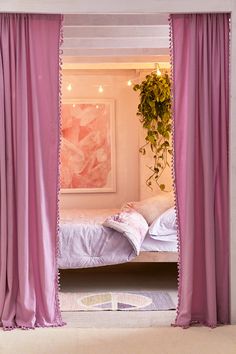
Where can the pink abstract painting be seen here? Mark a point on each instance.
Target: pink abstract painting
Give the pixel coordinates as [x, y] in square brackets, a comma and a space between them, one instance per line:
[86, 148]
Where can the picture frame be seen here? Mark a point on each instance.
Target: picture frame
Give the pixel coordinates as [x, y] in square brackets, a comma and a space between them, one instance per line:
[88, 146]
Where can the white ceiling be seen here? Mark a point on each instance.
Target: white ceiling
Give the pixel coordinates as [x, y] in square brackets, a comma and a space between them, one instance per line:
[116, 38]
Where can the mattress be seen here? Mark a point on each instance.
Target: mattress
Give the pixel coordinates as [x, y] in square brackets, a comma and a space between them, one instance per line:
[84, 242]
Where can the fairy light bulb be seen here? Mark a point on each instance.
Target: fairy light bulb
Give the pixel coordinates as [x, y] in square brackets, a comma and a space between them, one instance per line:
[129, 83]
[69, 87]
[73, 105]
[100, 89]
[158, 71]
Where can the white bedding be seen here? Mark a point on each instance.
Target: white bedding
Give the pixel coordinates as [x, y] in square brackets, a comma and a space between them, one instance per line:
[84, 242]
[153, 245]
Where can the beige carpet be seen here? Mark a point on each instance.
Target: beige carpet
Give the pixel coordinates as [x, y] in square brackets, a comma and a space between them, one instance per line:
[163, 340]
[118, 319]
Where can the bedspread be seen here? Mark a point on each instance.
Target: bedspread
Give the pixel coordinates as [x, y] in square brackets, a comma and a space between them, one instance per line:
[84, 242]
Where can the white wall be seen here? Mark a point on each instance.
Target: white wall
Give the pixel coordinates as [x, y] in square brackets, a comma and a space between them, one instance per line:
[127, 136]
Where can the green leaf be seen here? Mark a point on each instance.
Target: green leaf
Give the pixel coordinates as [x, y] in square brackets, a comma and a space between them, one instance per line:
[151, 139]
[152, 104]
[154, 112]
[136, 87]
[166, 135]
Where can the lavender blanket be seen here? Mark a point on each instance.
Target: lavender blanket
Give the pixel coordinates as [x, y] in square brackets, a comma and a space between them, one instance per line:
[84, 242]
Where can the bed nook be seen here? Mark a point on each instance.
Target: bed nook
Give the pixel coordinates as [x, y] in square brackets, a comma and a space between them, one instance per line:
[98, 237]
[116, 187]
[117, 237]
[117, 207]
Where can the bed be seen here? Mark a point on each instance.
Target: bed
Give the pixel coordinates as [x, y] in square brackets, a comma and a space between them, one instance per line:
[85, 240]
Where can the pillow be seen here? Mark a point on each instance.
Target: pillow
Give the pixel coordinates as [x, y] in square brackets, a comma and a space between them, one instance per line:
[131, 224]
[165, 224]
[153, 207]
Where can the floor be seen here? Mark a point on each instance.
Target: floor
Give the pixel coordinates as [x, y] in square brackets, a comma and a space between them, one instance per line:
[135, 277]
[162, 340]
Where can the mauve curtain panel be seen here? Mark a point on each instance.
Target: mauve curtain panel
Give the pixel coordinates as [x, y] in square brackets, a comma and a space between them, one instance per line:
[29, 146]
[200, 55]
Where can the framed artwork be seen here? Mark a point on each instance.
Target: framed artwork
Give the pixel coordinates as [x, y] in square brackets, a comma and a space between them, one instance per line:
[88, 146]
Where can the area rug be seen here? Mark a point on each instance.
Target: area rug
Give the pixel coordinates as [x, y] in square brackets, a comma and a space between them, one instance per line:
[117, 301]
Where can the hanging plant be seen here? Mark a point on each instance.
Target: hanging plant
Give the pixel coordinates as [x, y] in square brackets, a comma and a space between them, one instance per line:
[154, 111]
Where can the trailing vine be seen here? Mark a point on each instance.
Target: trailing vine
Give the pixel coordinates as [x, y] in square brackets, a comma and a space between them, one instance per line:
[154, 111]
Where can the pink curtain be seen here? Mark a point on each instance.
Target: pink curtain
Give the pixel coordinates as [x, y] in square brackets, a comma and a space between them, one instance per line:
[200, 53]
[29, 140]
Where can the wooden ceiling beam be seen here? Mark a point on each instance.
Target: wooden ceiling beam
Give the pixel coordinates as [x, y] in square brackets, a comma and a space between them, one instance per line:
[115, 31]
[104, 43]
[116, 19]
[117, 59]
[111, 52]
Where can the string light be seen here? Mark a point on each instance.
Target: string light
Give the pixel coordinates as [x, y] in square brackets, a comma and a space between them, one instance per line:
[73, 105]
[100, 89]
[158, 71]
[129, 83]
[69, 87]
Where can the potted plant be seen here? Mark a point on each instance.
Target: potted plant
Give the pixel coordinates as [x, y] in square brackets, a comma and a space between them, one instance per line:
[154, 111]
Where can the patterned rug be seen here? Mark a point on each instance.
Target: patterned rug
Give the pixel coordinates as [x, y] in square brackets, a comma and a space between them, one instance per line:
[117, 301]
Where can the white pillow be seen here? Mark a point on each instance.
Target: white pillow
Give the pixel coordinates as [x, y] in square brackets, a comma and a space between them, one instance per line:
[164, 225]
[153, 207]
[164, 239]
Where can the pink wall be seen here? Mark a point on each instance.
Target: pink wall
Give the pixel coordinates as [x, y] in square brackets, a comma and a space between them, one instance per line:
[85, 85]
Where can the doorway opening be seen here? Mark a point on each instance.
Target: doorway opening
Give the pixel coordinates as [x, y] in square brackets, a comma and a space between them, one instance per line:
[103, 173]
